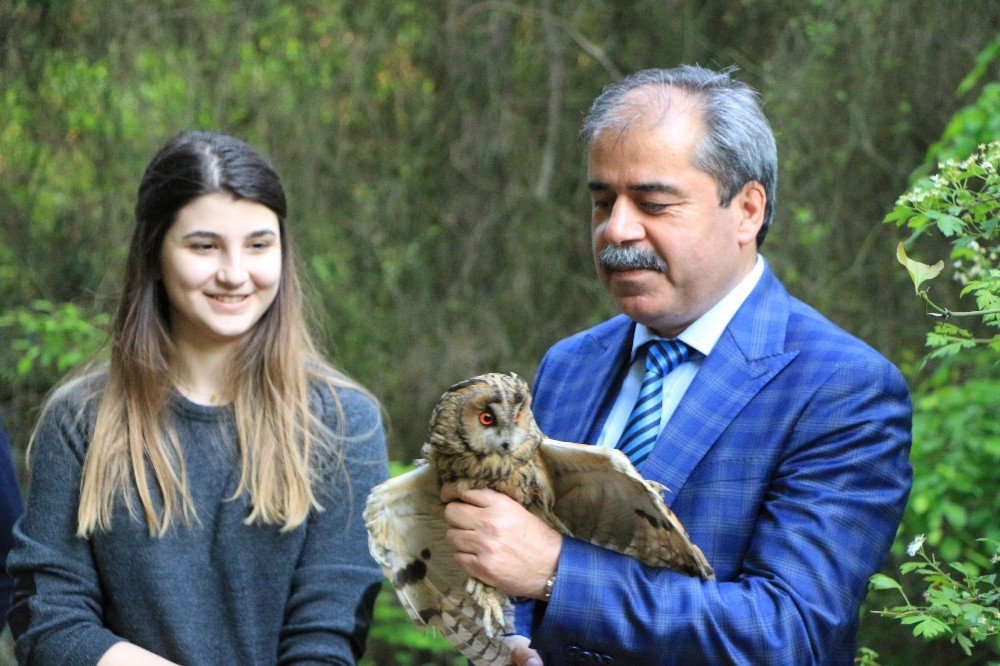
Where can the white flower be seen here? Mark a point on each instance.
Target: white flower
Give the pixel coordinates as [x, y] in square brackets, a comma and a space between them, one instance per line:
[915, 545]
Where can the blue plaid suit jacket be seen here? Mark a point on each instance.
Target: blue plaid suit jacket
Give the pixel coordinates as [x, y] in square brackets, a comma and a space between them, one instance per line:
[787, 462]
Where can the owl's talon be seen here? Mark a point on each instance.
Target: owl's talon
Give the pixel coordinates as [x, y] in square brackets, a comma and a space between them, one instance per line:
[493, 602]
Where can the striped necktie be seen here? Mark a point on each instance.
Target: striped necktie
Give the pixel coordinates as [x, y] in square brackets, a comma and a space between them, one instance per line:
[643, 424]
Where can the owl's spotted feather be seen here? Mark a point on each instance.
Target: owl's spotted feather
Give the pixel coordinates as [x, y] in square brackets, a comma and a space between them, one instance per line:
[483, 435]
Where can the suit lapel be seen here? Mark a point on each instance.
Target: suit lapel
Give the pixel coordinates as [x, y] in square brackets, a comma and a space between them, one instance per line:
[602, 363]
[749, 353]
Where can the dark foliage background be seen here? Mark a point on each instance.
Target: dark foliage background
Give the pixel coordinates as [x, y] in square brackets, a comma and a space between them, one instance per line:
[435, 178]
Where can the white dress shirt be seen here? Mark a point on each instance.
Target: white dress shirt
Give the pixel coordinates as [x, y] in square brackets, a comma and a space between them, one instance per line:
[701, 336]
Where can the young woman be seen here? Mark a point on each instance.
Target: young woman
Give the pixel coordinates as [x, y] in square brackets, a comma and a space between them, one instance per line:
[197, 498]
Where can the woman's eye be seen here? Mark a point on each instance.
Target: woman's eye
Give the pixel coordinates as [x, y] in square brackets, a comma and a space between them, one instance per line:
[261, 242]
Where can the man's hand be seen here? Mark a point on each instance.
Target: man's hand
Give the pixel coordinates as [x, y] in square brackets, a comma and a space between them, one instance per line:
[500, 542]
[523, 654]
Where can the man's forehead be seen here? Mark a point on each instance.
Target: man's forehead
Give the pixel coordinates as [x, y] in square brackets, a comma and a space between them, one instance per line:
[663, 132]
[649, 107]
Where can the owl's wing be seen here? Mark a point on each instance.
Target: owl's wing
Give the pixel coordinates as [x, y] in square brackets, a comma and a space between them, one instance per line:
[601, 498]
[406, 535]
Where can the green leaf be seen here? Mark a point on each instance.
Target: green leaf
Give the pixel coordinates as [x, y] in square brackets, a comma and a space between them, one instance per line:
[948, 224]
[883, 582]
[973, 612]
[930, 627]
[899, 215]
[919, 272]
[964, 643]
[964, 568]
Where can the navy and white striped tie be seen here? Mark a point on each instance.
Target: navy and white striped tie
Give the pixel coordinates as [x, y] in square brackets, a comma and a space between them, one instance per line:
[643, 424]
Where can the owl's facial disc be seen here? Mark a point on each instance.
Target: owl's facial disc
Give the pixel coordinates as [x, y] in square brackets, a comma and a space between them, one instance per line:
[501, 429]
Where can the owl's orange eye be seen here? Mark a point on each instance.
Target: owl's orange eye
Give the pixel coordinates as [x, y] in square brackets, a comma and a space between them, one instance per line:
[486, 417]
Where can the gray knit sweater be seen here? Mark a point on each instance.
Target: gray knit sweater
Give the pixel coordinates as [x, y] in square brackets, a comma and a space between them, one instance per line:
[217, 592]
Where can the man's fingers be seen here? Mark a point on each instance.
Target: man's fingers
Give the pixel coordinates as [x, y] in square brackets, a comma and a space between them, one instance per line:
[522, 654]
[462, 516]
[471, 565]
[463, 541]
[481, 497]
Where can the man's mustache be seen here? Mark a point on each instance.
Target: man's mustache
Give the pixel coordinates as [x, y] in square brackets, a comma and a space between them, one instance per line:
[630, 257]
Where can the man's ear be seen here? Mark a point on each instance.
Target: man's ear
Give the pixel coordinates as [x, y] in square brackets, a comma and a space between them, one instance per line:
[748, 208]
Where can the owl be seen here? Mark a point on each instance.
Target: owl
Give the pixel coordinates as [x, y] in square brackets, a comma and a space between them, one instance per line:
[483, 435]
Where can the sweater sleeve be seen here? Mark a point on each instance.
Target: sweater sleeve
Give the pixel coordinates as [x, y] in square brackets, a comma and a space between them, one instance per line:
[56, 614]
[336, 580]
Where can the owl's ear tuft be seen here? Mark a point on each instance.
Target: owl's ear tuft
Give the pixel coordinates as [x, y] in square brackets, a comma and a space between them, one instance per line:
[465, 383]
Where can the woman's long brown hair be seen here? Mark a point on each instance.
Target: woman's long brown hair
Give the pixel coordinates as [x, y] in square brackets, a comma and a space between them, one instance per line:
[134, 449]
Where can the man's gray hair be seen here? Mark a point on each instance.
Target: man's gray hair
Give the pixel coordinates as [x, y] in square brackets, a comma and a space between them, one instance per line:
[738, 145]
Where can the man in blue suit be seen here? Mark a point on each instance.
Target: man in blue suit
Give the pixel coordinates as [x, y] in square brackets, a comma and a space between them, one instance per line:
[781, 439]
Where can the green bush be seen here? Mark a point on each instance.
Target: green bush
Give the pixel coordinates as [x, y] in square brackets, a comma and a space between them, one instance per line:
[956, 468]
[51, 339]
[960, 602]
[956, 427]
[961, 203]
